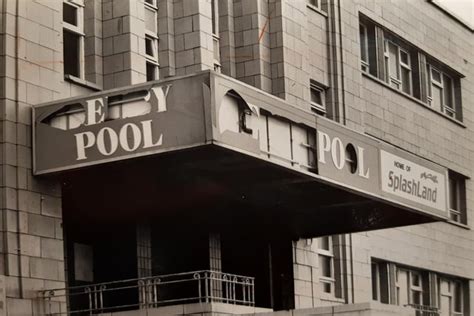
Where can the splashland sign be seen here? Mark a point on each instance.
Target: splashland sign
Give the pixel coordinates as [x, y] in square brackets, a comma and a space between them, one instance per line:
[406, 179]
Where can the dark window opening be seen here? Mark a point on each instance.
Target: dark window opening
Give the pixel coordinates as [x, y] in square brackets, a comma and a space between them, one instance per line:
[71, 53]
[150, 71]
[69, 14]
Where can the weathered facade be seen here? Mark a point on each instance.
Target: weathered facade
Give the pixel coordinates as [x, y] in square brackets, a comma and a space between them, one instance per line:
[216, 157]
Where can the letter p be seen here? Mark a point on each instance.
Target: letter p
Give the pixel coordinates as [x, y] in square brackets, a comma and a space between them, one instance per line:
[83, 140]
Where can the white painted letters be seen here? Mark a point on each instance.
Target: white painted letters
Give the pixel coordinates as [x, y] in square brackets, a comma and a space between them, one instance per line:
[336, 148]
[81, 144]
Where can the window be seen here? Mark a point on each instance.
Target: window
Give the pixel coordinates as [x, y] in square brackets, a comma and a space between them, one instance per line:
[397, 67]
[215, 34]
[151, 2]
[457, 197]
[318, 101]
[451, 297]
[427, 292]
[380, 282]
[441, 91]
[364, 48]
[151, 40]
[326, 265]
[416, 288]
[73, 38]
[315, 3]
[406, 68]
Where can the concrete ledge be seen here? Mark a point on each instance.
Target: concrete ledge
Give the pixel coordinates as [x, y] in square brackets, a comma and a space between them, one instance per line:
[198, 309]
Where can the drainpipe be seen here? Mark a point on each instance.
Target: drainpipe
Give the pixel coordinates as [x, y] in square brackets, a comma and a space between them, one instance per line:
[4, 156]
[341, 52]
[17, 95]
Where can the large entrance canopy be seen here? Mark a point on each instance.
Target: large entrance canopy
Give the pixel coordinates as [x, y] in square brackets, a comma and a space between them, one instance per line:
[211, 148]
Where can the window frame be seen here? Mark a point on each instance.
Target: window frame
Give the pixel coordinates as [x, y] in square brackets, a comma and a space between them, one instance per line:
[416, 69]
[445, 108]
[152, 61]
[415, 289]
[365, 64]
[314, 3]
[451, 295]
[398, 79]
[76, 30]
[319, 109]
[328, 254]
[457, 214]
[215, 35]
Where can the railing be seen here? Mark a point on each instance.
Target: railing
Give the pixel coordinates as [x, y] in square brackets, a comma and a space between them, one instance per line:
[151, 292]
[425, 310]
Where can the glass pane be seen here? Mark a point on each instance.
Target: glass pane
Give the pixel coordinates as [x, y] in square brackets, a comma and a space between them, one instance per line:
[150, 72]
[216, 49]
[415, 279]
[149, 47]
[213, 13]
[406, 80]
[437, 95]
[71, 53]
[453, 193]
[326, 287]
[457, 297]
[448, 91]
[404, 57]
[435, 75]
[316, 96]
[325, 266]
[374, 282]
[416, 298]
[69, 14]
[150, 20]
[393, 61]
[363, 43]
[324, 243]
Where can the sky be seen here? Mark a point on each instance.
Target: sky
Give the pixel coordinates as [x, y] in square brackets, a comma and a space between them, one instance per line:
[463, 8]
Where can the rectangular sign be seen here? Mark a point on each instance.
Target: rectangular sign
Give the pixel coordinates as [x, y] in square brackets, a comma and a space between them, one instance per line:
[119, 124]
[406, 179]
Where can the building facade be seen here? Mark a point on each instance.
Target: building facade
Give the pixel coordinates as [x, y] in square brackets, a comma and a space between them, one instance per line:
[233, 157]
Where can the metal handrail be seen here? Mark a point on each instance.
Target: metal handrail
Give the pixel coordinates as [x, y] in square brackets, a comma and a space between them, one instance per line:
[425, 310]
[150, 292]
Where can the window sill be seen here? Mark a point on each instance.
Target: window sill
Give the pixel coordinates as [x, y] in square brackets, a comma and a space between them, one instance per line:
[459, 224]
[331, 298]
[316, 9]
[83, 82]
[412, 99]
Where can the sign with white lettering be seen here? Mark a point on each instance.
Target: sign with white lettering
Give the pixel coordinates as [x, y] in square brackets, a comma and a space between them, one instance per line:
[406, 179]
[347, 157]
[131, 122]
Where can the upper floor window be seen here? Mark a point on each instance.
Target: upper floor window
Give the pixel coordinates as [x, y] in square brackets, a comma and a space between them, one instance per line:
[318, 98]
[441, 91]
[215, 34]
[315, 3]
[397, 67]
[73, 38]
[457, 197]
[406, 68]
[151, 40]
[364, 47]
